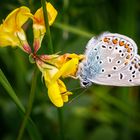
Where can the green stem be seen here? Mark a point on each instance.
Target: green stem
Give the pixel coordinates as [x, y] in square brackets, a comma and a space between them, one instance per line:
[31, 4]
[50, 48]
[29, 106]
[49, 40]
[60, 117]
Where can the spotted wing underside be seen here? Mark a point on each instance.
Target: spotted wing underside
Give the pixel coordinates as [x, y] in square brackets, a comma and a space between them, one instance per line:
[117, 58]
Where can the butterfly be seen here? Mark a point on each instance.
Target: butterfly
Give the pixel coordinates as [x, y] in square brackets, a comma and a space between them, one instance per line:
[110, 59]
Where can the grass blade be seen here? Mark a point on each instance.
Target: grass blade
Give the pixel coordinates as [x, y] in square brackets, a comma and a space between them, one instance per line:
[31, 127]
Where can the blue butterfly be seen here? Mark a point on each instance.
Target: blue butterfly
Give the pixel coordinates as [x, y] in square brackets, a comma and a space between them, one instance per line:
[110, 59]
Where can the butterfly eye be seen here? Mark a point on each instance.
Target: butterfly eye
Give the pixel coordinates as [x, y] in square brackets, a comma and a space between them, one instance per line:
[85, 83]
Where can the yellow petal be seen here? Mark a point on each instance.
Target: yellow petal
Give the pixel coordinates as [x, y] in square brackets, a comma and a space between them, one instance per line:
[54, 94]
[39, 18]
[14, 40]
[69, 68]
[59, 61]
[61, 86]
[16, 19]
[8, 39]
[52, 13]
[11, 32]
[73, 55]
[38, 21]
[48, 72]
[65, 96]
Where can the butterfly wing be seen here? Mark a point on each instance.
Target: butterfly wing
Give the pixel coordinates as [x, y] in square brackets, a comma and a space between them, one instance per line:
[106, 57]
[127, 76]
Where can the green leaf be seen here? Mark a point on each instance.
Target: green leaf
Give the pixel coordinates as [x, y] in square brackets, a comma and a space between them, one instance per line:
[31, 127]
[10, 91]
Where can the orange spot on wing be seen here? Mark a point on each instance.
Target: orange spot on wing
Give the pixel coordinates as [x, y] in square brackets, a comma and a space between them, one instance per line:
[128, 50]
[126, 46]
[106, 39]
[128, 57]
[115, 41]
[126, 62]
[121, 43]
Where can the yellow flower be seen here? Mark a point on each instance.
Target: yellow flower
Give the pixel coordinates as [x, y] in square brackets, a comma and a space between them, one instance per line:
[61, 66]
[57, 90]
[59, 60]
[11, 32]
[58, 93]
[67, 64]
[39, 25]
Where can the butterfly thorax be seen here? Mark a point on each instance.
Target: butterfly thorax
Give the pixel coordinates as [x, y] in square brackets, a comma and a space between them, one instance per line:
[88, 69]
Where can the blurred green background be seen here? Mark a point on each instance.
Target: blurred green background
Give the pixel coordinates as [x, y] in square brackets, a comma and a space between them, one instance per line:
[99, 113]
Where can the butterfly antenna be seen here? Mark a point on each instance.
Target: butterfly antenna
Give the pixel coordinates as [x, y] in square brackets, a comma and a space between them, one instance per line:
[79, 94]
[78, 88]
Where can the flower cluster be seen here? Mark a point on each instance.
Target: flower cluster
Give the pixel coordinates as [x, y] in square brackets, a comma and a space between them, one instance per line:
[53, 67]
